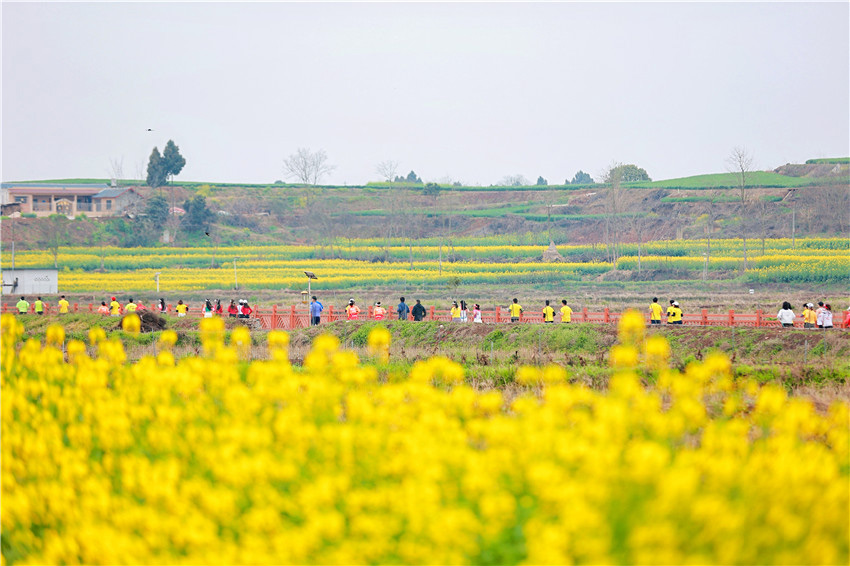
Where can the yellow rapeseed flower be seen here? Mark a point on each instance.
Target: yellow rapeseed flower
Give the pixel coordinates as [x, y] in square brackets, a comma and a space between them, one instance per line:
[211, 460]
[131, 324]
[96, 335]
[55, 335]
[241, 340]
[378, 343]
[167, 339]
[632, 327]
[657, 350]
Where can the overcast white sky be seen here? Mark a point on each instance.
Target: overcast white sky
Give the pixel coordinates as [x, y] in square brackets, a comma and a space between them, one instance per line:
[473, 92]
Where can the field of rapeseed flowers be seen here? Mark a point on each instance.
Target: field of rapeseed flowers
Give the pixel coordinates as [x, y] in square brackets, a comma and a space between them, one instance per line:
[215, 460]
[482, 261]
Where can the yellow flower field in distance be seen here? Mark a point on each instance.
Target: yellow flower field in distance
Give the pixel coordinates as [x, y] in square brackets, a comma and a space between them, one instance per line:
[341, 461]
[480, 261]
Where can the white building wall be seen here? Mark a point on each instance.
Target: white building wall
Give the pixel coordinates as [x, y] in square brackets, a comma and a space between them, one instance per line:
[30, 282]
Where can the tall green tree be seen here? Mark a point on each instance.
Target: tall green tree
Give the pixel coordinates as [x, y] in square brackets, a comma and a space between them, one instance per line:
[173, 162]
[156, 169]
[156, 210]
[627, 173]
[581, 178]
[198, 216]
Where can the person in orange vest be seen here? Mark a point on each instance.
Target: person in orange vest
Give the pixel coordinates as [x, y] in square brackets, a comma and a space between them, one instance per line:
[352, 311]
[380, 312]
[103, 309]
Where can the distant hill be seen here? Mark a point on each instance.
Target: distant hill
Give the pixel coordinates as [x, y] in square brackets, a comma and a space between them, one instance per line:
[818, 169]
[824, 171]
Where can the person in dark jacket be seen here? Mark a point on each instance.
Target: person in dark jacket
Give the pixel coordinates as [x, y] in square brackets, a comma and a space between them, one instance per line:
[402, 309]
[418, 311]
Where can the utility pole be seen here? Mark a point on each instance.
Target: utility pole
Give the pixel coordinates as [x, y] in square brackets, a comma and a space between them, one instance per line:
[235, 280]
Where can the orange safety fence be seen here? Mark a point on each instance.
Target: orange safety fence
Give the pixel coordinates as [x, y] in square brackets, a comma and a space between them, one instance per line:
[298, 316]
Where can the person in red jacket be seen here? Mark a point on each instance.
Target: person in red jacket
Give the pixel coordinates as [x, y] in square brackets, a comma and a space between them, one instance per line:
[232, 309]
[246, 311]
[847, 318]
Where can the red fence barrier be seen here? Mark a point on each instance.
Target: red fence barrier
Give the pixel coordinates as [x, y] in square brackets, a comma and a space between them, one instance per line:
[296, 316]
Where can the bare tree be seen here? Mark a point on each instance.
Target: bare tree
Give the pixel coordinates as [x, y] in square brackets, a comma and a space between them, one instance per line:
[613, 207]
[762, 207]
[645, 227]
[513, 181]
[54, 236]
[709, 220]
[740, 162]
[307, 166]
[387, 169]
[139, 173]
[116, 169]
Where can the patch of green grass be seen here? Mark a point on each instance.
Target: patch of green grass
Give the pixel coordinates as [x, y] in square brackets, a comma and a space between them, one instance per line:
[702, 198]
[821, 349]
[828, 161]
[766, 179]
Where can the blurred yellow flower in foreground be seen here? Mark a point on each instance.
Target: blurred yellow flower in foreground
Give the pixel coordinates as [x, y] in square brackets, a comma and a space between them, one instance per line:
[213, 460]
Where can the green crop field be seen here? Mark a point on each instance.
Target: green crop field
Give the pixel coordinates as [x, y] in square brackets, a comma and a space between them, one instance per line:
[767, 179]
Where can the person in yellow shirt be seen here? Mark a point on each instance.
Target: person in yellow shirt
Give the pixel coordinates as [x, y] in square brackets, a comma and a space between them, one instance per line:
[655, 312]
[455, 312]
[115, 307]
[181, 308]
[23, 306]
[548, 314]
[516, 311]
[810, 316]
[566, 312]
[669, 312]
[675, 316]
[130, 306]
[63, 305]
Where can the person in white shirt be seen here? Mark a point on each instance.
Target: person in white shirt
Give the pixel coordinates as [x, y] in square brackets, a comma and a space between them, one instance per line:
[825, 317]
[786, 315]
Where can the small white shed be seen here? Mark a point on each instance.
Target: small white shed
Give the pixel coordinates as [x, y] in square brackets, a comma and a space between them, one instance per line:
[30, 281]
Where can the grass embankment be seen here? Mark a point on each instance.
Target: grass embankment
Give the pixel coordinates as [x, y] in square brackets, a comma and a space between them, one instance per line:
[764, 179]
[811, 363]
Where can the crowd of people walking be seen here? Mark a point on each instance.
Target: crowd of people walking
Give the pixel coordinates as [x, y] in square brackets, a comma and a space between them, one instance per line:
[461, 311]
